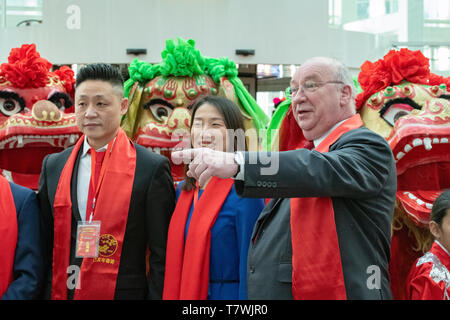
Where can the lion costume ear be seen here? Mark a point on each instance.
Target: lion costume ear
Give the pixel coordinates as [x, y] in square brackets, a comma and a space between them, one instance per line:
[129, 120]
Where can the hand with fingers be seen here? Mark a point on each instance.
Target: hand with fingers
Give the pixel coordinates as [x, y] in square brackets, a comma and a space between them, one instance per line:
[205, 163]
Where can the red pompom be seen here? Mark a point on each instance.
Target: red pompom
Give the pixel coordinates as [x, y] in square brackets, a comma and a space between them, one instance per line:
[372, 78]
[67, 76]
[436, 80]
[408, 65]
[26, 68]
[395, 67]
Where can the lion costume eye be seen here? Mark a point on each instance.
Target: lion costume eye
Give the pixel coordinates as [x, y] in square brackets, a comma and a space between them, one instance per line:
[159, 108]
[9, 107]
[160, 111]
[11, 103]
[395, 112]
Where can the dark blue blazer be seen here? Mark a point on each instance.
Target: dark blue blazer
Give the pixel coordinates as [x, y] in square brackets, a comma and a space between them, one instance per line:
[230, 238]
[28, 270]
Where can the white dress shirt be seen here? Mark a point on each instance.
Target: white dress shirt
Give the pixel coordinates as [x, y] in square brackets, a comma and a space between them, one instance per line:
[84, 177]
[319, 140]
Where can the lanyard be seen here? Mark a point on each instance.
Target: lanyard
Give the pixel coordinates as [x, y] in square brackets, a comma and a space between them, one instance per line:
[96, 184]
[196, 194]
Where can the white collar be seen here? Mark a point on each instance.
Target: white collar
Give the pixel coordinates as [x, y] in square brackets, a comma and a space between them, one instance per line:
[86, 147]
[440, 245]
[319, 140]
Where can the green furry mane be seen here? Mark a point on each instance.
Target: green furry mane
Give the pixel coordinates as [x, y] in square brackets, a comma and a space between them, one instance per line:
[183, 59]
[180, 60]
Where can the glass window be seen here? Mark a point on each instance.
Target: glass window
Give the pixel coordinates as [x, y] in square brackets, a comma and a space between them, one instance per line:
[335, 12]
[2, 13]
[391, 6]
[437, 14]
[436, 9]
[21, 12]
[362, 9]
[442, 59]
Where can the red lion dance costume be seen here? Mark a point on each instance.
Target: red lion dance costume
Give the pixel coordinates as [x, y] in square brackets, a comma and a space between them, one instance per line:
[36, 114]
[410, 106]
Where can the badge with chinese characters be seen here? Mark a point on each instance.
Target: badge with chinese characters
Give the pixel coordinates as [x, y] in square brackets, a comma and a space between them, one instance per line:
[88, 236]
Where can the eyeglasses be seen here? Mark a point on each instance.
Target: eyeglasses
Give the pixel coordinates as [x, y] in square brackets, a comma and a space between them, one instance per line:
[311, 86]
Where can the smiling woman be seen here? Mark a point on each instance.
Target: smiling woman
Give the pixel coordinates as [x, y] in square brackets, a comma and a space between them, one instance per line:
[208, 129]
[215, 122]
[210, 230]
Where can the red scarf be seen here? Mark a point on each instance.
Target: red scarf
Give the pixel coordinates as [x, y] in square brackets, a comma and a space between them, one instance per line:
[187, 264]
[8, 232]
[291, 136]
[316, 260]
[97, 275]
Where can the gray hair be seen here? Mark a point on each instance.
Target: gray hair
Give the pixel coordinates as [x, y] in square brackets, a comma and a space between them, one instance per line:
[341, 71]
[343, 74]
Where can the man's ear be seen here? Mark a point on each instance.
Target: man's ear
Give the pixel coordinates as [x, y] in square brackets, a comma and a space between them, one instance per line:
[124, 106]
[346, 95]
[435, 229]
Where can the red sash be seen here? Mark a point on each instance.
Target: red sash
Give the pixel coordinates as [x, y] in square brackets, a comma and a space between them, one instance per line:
[187, 265]
[316, 260]
[97, 275]
[8, 232]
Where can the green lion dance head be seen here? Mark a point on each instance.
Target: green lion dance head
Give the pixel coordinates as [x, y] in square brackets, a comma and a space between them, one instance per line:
[160, 97]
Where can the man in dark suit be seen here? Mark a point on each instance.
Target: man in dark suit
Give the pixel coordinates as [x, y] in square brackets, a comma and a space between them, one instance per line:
[342, 196]
[104, 215]
[21, 262]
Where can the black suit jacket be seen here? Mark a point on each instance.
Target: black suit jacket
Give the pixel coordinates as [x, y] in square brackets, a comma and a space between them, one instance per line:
[151, 206]
[359, 175]
[269, 263]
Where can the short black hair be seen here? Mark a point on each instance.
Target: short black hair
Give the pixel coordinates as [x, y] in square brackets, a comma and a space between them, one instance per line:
[440, 207]
[100, 71]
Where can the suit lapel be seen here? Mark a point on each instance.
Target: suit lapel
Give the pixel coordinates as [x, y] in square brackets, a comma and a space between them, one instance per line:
[267, 213]
[73, 188]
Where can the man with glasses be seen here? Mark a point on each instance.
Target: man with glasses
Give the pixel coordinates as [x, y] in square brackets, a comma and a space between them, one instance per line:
[336, 198]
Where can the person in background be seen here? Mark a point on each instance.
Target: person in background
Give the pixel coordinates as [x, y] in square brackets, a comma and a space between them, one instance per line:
[429, 278]
[21, 259]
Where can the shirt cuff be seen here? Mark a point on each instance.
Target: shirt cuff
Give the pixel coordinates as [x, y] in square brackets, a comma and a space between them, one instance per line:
[240, 160]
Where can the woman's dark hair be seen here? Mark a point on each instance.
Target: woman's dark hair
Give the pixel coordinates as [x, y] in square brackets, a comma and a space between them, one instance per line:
[233, 121]
[440, 207]
[100, 71]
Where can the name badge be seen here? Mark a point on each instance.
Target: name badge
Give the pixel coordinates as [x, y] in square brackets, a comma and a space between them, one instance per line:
[88, 236]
